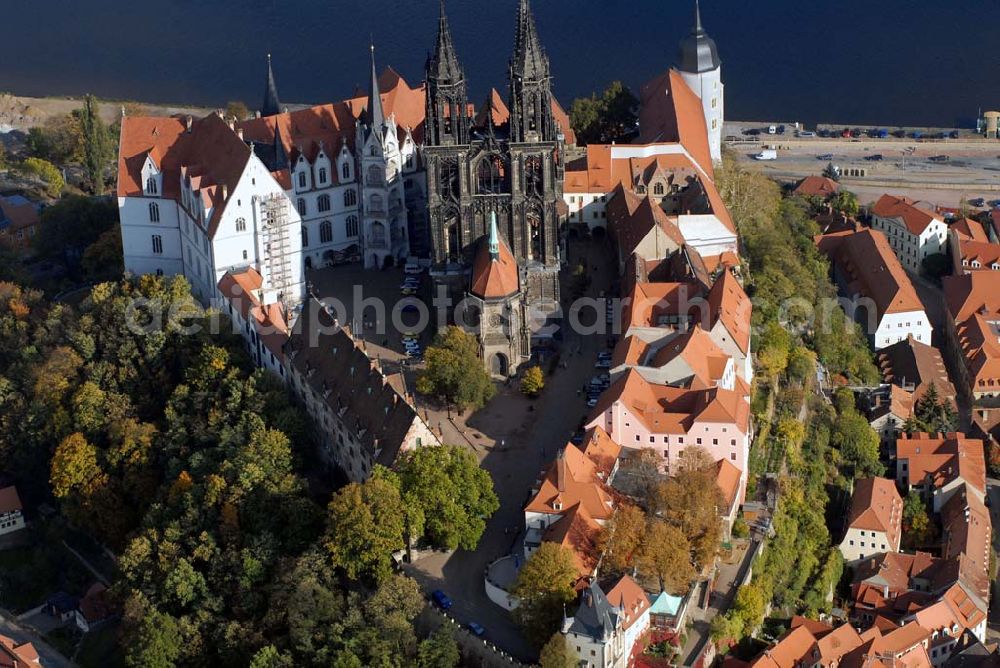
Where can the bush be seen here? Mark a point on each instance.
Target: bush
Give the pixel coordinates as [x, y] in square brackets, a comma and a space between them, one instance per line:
[47, 172]
[532, 382]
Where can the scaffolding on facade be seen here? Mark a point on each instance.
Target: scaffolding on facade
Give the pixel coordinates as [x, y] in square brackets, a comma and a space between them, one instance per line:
[277, 249]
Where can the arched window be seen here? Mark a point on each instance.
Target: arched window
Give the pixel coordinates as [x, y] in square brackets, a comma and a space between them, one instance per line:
[658, 188]
[454, 238]
[640, 190]
[375, 175]
[536, 236]
[491, 175]
[301, 206]
[305, 237]
[154, 212]
[325, 232]
[450, 186]
[350, 197]
[376, 203]
[151, 185]
[241, 224]
[322, 174]
[533, 173]
[323, 203]
[345, 171]
[352, 226]
[378, 235]
[302, 179]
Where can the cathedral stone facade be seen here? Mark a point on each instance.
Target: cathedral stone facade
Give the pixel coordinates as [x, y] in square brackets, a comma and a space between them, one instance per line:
[507, 162]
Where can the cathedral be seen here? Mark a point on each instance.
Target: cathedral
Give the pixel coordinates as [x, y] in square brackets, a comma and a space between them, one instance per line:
[503, 165]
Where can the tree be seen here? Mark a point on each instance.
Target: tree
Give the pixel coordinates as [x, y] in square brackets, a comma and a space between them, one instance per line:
[932, 413]
[75, 223]
[103, 259]
[544, 586]
[533, 381]
[269, 657]
[917, 528]
[454, 372]
[454, 494]
[831, 172]
[858, 444]
[846, 202]
[48, 173]
[237, 111]
[96, 145]
[665, 555]
[75, 469]
[152, 639]
[690, 501]
[557, 653]
[621, 538]
[439, 650]
[365, 528]
[610, 118]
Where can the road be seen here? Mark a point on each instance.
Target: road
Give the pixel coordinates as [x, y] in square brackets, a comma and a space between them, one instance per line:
[49, 657]
[531, 434]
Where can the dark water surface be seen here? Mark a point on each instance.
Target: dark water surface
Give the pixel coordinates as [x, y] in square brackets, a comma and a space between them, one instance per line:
[854, 61]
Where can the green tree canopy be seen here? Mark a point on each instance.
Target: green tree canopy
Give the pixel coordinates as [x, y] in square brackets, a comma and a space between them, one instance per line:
[365, 527]
[557, 653]
[439, 650]
[609, 118]
[454, 494]
[544, 585]
[454, 371]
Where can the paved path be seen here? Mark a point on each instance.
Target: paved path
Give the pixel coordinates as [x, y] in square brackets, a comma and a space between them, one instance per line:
[50, 658]
[531, 433]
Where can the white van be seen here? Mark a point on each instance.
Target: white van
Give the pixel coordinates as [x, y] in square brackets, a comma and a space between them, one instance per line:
[767, 154]
[772, 129]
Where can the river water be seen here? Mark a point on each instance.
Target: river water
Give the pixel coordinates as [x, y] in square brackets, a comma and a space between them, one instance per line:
[855, 61]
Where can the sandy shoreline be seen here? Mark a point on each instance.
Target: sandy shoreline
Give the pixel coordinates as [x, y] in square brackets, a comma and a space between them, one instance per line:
[21, 113]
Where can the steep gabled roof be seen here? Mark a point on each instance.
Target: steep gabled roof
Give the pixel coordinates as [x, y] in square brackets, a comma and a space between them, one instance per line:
[729, 304]
[671, 112]
[570, 480]
[876, 506]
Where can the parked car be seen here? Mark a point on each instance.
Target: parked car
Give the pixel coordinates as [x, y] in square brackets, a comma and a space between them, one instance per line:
[846, 133]
[603, 364]
[825, 156]
[899, 133]
[591, 402]
[954, 134]
[939, 158]
[767, 154]
[917, 134]
[753, 132]
[772, 130]
[412, 268]
[977, 202]
[823, 133]
[874, 157]
[807, 133]
[883, 133]
[441, 599]
[994, 203]
[476, 630]
[781, 129]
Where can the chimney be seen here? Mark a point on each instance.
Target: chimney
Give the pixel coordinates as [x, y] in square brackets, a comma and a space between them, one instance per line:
[225, 192]
[239, 133]
[188, 122]
[231, 123]
[561, 471]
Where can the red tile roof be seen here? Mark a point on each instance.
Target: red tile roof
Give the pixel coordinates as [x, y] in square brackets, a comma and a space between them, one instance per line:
[671, 112]
[570, 480]
[913, 217]
[630, 598]
[727, 477]
[971, 230]
[872, 269]
[242, 288]
[729, 304]
[577, 531]
[943, 458]
[877, 506]
[817, 186]
[9, 500]
[494, 278]
[17, 655]
[911, 363]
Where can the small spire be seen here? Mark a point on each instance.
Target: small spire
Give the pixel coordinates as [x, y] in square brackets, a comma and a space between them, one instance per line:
[376, 116]
[272, 105]
[697, 17]
[494, 237]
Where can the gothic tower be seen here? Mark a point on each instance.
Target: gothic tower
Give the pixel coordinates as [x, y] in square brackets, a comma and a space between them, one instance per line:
[699, 64]
[447, 100]
[530, 99]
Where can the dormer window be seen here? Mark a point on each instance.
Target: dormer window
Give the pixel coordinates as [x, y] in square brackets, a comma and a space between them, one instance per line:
[302, 180]
[151, 188]
[322, 174]
[345, 171]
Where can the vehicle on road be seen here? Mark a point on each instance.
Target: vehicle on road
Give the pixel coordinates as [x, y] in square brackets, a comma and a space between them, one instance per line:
[603, 364]
[954, 134]
[825, 156]
[874, 157]
[917, 134]
[767, 154]
[476, 630]
[753, 132]
[846, 133]
[994, 203]
[441, 599]
[412, 268]
[406, 291]
[978, 202]
[899, 133]
[772, 130]
[807, 133]
[591, 402]
[781, 129]
[883, 133]
[823, 133]
[939, 158]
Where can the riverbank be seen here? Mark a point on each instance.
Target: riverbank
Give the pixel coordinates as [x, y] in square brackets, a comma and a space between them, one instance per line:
[20, 113]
